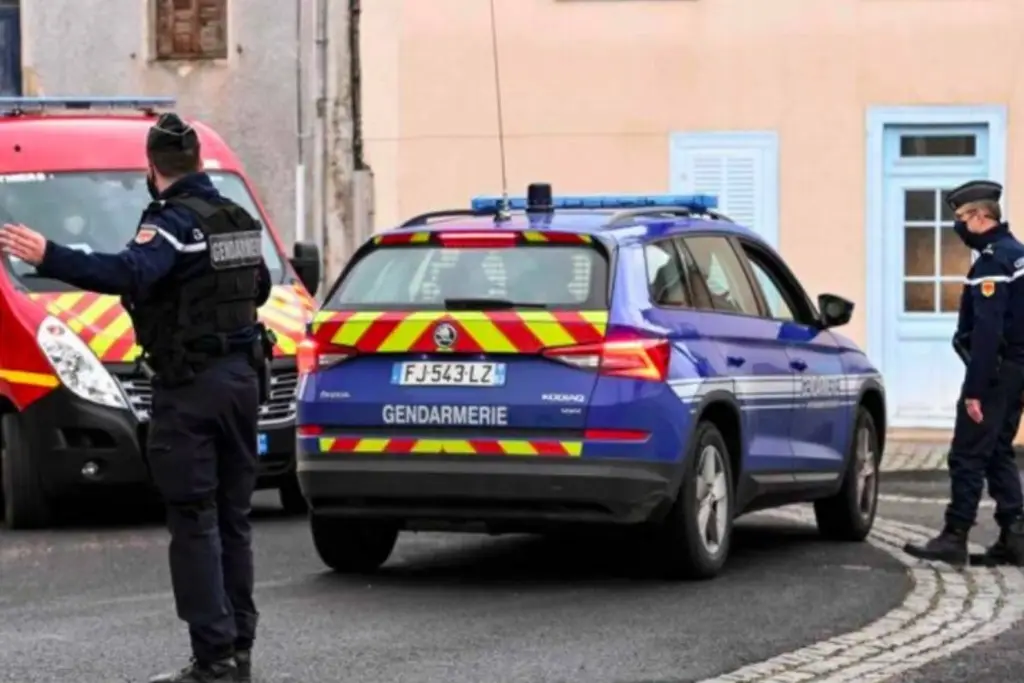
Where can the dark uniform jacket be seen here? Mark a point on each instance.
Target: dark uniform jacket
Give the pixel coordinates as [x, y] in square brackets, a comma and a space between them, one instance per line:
[991, 321]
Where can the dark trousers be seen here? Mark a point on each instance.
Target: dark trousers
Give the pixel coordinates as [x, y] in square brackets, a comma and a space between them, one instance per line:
[202, 456]
[984, 452]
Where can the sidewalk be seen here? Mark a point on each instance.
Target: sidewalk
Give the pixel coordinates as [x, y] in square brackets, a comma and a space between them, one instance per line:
[922, 452]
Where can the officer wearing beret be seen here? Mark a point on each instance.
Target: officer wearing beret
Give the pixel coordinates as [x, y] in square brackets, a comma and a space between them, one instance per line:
[990, 341]
[192, 279]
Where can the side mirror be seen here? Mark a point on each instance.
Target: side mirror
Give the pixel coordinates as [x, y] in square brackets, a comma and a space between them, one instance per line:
[835, 311]
[306, 262]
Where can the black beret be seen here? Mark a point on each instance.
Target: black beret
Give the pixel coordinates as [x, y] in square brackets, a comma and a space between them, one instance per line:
[974, 191]
[170, 132]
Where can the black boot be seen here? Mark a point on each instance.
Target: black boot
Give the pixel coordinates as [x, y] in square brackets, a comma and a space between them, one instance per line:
[997, 553]
[218, 672]
[1012, 538]
[243, 661]
[950, 546]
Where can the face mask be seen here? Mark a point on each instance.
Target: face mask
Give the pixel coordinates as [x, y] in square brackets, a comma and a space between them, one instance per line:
[151, 186]
[976, 242]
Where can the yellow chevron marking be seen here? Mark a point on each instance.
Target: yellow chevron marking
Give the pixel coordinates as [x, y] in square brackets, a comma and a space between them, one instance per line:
[102, 342]
[354, 328]
[547, 328]
[517, 447]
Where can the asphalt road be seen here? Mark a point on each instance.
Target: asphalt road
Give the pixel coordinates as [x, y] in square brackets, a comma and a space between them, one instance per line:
[90, 604]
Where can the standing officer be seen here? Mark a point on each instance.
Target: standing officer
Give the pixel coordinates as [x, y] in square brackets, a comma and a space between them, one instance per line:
[192, 279]
[990, 340]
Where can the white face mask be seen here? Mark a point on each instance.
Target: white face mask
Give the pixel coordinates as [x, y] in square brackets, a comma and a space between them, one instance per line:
[74, 225]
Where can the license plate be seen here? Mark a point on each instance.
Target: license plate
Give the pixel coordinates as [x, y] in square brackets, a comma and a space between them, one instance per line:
[445, 374]
[261, 444]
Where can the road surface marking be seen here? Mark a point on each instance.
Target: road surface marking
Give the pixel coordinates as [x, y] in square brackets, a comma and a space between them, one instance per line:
[918, 500]
[946, 611]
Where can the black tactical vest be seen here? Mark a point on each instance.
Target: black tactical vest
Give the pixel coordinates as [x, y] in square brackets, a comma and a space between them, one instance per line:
[182, 326]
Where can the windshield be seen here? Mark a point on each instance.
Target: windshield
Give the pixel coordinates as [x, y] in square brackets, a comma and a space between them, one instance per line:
[565, 277]
[98, 211]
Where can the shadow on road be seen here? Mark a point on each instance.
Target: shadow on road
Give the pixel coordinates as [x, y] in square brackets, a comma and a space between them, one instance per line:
[760, 547]
[125, 511]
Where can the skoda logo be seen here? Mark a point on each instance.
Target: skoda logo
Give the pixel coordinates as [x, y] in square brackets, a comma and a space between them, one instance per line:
[444, 336]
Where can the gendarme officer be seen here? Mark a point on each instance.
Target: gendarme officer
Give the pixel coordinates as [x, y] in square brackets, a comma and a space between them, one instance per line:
[990, 341]
[192, 278]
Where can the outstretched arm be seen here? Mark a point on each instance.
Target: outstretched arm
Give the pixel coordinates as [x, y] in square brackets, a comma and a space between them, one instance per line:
[130, 272]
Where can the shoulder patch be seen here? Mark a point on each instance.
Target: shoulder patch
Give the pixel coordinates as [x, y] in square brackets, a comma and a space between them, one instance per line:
[145, 235]
[988, 288]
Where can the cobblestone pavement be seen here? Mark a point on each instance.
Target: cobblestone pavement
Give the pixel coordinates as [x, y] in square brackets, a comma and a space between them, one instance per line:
[947, 611]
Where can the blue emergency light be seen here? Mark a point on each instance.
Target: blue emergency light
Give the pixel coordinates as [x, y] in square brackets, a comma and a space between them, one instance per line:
[45, 103]
[694, 202]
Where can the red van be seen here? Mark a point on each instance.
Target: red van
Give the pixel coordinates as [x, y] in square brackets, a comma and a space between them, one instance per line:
[73, 404]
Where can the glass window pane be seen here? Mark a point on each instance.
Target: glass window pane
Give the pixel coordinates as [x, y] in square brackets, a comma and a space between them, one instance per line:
[919, 297]
[919, 205]
[951, 292]
[956, 257]
[947, 211]
[778, 309]
[424, 276]
[723, 272]
[664, 276]
[919, 251]
[938, 145]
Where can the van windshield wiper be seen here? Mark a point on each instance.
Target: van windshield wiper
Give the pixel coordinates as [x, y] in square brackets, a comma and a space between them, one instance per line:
[488, 304]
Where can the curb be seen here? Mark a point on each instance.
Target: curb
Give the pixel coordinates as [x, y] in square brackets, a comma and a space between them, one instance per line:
[916, 456]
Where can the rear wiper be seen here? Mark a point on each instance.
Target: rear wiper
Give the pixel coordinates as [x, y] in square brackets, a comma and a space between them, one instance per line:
[488, 304]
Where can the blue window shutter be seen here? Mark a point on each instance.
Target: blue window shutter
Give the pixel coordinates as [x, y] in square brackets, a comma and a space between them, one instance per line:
[741, 169]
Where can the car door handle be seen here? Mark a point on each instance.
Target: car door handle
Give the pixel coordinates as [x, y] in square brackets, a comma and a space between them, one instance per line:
[798, 365]
[735, 361]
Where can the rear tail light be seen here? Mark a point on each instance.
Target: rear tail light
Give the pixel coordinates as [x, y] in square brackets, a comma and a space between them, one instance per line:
[311, 356]
[624, 354]
[309, 430]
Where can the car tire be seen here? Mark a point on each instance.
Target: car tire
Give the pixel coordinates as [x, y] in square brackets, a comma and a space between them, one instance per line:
[26, 505]
[350, 546]
[850, 513]
[290, 495]
[693, 539]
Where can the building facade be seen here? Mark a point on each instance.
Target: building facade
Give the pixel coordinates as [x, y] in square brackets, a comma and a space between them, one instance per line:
[230, 63]
[832, 128]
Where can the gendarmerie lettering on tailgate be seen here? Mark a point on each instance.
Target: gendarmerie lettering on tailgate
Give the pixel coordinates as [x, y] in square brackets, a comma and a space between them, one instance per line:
[470, 416]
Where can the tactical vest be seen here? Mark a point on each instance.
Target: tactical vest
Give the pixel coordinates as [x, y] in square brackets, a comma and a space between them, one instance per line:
[182, 326]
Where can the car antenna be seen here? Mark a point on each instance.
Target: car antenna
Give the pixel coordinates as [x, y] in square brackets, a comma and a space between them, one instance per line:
[503, 212]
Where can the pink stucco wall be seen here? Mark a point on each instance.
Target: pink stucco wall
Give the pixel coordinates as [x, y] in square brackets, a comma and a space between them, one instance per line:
[593, 88]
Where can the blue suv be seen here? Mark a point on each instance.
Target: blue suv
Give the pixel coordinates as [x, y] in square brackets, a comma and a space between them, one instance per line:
[542, 363]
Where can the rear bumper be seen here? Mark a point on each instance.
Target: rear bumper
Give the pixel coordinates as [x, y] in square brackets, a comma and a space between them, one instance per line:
[67, 433]
[518, 492]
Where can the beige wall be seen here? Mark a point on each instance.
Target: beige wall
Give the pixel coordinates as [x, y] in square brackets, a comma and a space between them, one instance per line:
[103, 48]
[593, 88]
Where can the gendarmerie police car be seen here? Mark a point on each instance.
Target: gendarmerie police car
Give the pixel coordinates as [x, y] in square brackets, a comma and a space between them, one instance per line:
[638, 361]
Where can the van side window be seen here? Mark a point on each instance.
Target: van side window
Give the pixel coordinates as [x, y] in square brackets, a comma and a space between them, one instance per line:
[665, 279]
[722, 272]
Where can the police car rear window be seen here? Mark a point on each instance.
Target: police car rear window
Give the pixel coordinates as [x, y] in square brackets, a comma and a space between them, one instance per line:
[564, 277]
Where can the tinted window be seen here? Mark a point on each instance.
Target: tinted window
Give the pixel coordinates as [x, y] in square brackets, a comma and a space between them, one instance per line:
[774, 298]
[722, 272]
[98, 211]
[665, 278]
[573, 277]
